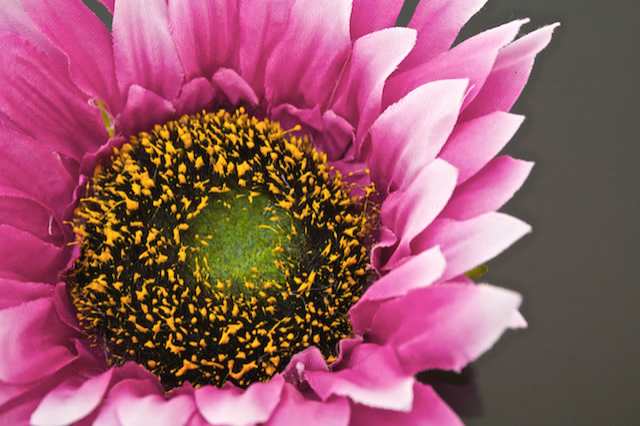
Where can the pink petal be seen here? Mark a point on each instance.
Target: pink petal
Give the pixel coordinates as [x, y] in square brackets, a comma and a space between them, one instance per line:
[294, 408]
[375, 56]
[42, 92]
[205, 34]
[305, 66]
[369, 16]
[15, 293]
[145, 54]
[86, 42]
[196, 95]
[373, 378]
[510, 74]
[473, 242]
[71, 401]
[143, 110]
[25, 257]
[475, 142]
[409, 134]
[444, 326]
[428, 410]
[418, 271]
[234, 87]
[236, 407]
[310, 359]
[15, 20]
[32, 342]
[337, 136]
[472, 59]
[21, 211]
[438, 23]
[489, 190]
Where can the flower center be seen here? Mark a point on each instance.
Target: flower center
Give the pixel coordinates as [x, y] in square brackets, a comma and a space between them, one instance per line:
[215, 247]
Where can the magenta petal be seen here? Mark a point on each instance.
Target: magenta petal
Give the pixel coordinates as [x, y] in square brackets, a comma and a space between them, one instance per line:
[409, 134]
[375, 56]
[489, 190]
[428, 410]
[237, 407]
[475, 142]
[473, 242]
[305, 66]
[369, 16]
[337, 137]
[143, 110]
[310, 359]
[25, 257]
[510, 74]
[205, 34]
[21, 211]
[32, 342]
[373, 378]
[195, 96]
[42, 92]
[444, 326]
[417, 272]
[234, 87]
[71, 401]
[86, 42]
[294, 408]
[145, 54]
[15, 293]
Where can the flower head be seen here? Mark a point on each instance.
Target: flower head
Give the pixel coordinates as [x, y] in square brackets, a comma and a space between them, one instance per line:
[249, 212]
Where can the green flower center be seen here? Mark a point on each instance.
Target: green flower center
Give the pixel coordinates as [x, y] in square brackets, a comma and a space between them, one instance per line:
[217, 246]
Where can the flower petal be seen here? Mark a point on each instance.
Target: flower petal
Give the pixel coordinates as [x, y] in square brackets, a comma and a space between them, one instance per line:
[236, 407]
[234, 87]
[21, 211]
[15, 293]
[428, 410]
[489, 190]
[445, 326]
[145, 54]
[294, 407]
[195, 96]
[143, 110]
[369, 16]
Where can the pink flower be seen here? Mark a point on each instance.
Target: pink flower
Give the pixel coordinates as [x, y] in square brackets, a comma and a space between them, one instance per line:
[395, 107]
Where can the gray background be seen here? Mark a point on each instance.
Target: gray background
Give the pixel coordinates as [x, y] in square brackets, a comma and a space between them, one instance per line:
[577, 363]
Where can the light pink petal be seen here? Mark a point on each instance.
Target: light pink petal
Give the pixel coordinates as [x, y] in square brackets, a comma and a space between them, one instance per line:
[71, 401]
[373, 378]
[444, 326]
[473, 242]
[337, 136]
[418, 271]
[428, 410]
[438, 23]
[294, 408]
[237, 407]
[42, 92]
[369, 16]
[489, 190]
[472, 59]
[310, 359]
[205, 34]
[408, 211]
[196, 95]
[145, 54]
[510, 74]
[474, 143]
[375, 56]
[25, 257]
[32, 342]
[234, 87]
[86, 42]
[409, 134]
[14, 293]
[143, 110]
[305, 66]
[15, 20]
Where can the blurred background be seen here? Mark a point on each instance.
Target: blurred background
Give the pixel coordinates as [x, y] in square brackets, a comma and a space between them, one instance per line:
[577, 364]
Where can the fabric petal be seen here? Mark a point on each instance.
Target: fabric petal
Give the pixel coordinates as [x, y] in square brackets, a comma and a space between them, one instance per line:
[237, 407]
[86, 42]
[15, 293]
[470, 243]
[369, 16]
[234, 87]
[409, 134]
[294, 407]
[145, 54]
[305, 66]
[143, 110]
[510, 74]
[444, 326]
[428, 410]
[205, 34]
[375, 56]
[196, 95]
[474, 143]
[489, 190]
[71, 401]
